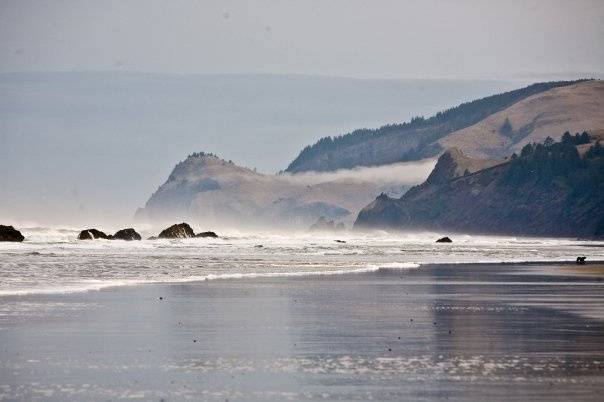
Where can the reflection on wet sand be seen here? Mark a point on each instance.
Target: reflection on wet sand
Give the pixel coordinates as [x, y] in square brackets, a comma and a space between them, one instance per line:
[454, 332]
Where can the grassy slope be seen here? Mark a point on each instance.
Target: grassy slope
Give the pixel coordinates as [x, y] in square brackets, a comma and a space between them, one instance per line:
[414, 140]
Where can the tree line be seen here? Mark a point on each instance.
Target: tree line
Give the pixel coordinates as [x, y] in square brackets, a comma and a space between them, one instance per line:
[427, 130]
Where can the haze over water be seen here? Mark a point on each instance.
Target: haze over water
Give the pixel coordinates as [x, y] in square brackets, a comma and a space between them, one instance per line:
[99, 101]
[54, 261]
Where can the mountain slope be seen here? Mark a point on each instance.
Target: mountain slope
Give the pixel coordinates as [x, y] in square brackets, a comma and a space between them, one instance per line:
[573, 108]
[209, 191]
[547, 191]
[103, 121]
[421, 138]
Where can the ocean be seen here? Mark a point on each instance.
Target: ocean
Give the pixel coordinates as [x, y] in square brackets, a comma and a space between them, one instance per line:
[54, 261]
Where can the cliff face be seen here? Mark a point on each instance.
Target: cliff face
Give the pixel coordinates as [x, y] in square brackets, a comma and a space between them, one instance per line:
[551, 192]
[491, 127]
[453, 163]
[207, 190]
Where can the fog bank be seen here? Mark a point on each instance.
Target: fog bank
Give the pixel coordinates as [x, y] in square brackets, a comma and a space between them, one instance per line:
[87, 147]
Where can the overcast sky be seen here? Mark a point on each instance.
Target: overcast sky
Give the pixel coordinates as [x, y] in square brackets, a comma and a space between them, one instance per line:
[364, 39]
[86, 146]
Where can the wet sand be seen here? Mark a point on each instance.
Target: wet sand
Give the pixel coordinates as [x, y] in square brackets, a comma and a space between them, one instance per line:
[440, 332]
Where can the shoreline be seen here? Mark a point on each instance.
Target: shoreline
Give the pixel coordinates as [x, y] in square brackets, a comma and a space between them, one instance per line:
[99, 285]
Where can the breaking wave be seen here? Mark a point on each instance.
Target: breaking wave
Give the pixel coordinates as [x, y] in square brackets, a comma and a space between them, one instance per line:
[54, 261]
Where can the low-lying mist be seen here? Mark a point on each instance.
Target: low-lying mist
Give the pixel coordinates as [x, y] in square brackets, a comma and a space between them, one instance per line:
[89, 148]
[401, 173]
[216, 194]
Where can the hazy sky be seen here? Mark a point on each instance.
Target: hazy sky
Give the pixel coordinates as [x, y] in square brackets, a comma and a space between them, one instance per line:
[86, 146]
[368, 39]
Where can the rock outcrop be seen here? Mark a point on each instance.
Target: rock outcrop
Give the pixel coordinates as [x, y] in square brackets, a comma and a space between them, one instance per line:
[444, 240]
[126, 234]
[91, 234]
[177, 231]
[453, 164]
[207, 234]
[9, 233]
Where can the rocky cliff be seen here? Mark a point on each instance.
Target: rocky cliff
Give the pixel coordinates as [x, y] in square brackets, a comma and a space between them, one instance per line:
[549, 190]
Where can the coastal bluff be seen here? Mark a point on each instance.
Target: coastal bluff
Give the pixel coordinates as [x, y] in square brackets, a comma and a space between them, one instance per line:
[548, 190]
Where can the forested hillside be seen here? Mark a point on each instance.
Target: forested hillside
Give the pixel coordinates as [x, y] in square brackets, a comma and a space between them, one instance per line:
[408, 141]
[550, 189]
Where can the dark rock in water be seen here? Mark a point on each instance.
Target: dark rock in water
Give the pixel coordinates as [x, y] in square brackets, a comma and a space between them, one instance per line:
[581, 260]
[178, 231]
[340, 241]
[9, 233]
[126, 234]
[152, 238]
[91, 234]
[444, 240]
[207, 234]
[258, 246]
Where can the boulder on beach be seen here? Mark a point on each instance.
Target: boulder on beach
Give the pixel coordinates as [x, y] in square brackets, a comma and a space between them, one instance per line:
[444, 240]
[9, 233]
[207, 234]
[91, 234]
[126, 234]
[177, 231]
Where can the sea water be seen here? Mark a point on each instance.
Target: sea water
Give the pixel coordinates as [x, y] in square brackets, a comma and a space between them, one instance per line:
[54, 261]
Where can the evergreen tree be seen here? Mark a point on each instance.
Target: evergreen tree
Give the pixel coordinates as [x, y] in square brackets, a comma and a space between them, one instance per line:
[506, 127]
[567, 138]
[549, 141]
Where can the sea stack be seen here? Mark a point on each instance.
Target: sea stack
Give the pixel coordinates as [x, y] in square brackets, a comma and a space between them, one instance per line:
[126, 234]
[91, 234]
[9, 233]
[207, 234]
[177, 231]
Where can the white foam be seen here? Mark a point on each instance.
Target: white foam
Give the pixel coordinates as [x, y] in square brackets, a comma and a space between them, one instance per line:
[397, 265]
[92, 285]
[54, 261]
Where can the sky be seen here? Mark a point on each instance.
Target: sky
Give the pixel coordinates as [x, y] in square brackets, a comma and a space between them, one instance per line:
[100, 99]
[85, 148]
[360, 39]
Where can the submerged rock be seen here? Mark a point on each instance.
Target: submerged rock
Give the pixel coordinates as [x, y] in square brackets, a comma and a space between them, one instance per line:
[444, 240]
[177, 231]
[206, 234]
[126, 234]
[91, 234]
[9, 233]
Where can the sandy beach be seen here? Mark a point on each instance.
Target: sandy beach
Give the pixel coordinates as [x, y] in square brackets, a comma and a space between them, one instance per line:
[441, 332]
